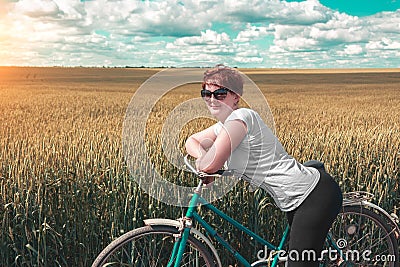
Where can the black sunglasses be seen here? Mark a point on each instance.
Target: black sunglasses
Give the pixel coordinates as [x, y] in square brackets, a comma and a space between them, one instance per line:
[219, 94]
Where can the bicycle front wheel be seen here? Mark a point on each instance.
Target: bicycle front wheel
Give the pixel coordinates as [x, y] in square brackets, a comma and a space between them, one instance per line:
[365, 239]
[152, 246]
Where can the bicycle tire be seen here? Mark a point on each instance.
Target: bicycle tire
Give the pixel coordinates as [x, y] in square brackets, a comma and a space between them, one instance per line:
[151, 246]
[365, 238]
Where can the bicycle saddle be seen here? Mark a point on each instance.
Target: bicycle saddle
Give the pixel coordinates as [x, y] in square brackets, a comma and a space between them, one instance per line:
[315, 164]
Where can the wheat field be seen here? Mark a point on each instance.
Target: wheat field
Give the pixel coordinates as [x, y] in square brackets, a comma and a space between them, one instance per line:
[65, 189]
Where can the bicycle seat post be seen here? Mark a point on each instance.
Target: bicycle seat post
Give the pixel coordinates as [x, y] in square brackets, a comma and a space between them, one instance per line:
[199, 187]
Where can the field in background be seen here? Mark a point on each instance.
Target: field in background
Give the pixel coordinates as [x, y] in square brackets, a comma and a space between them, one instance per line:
[65, 190]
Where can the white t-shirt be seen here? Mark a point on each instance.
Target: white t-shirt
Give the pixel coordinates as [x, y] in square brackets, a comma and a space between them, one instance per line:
[261, 157]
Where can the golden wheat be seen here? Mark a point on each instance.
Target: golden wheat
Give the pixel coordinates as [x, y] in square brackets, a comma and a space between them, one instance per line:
[66, 190]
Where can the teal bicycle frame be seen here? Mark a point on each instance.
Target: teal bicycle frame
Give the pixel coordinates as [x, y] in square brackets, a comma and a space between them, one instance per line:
[191, 214]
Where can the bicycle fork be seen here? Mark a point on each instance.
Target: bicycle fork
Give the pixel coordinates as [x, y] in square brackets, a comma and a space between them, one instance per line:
[180, 242]
[182, 236]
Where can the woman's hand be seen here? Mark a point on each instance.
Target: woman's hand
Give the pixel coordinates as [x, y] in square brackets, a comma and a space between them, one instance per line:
[213, 151]
[228, 139]
[206, 180]
[197, 163]
[199, 143]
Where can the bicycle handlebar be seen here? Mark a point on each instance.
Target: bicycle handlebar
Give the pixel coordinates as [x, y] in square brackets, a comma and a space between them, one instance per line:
[202, 175]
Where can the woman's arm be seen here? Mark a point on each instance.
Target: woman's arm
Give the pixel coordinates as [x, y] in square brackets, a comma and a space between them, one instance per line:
[228, 139]
[198, 143]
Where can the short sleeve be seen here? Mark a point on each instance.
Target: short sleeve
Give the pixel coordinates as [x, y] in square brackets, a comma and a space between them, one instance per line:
[217, 128]
[242, 114]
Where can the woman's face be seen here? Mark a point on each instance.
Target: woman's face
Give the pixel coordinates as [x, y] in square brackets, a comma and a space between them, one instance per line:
[220, 101]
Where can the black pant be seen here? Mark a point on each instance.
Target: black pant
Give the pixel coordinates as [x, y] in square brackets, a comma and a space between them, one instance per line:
[311, 221]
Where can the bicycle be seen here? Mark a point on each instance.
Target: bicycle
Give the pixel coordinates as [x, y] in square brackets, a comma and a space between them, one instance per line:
[363, 234]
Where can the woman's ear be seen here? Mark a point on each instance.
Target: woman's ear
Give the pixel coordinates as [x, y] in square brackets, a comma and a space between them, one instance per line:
[237, 102]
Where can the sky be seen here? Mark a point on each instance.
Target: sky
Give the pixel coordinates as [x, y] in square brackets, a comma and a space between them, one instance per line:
[264, 34]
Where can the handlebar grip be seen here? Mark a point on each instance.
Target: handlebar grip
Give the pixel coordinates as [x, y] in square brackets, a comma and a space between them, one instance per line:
[203, 174]
[223, 173]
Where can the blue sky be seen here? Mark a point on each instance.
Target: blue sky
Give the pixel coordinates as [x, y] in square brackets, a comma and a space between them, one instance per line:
[268, 33]
[362, 7]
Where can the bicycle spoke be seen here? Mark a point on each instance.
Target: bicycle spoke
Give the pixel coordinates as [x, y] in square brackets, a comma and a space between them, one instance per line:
[152, 247]
[364, 237]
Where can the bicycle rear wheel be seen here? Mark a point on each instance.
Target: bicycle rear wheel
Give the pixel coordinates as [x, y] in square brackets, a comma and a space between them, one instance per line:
[364, 238]
[151, 246]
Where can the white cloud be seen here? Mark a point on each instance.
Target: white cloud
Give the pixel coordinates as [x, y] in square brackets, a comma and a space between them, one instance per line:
[304, 13]
[127, 32]
[338, 35]
[352, 50]
[342, 36]
[139, 39]
[296, 43]
[246, 60]
[251, 33]
[209, 37]
[165, 18]
[383, 44]
[38, 8]
[339, 29]
[274, 49]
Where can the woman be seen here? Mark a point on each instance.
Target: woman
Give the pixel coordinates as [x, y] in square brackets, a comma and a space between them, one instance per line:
[309, 196]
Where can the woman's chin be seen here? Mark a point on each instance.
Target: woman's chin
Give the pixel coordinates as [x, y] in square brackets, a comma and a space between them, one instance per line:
[214, 110]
